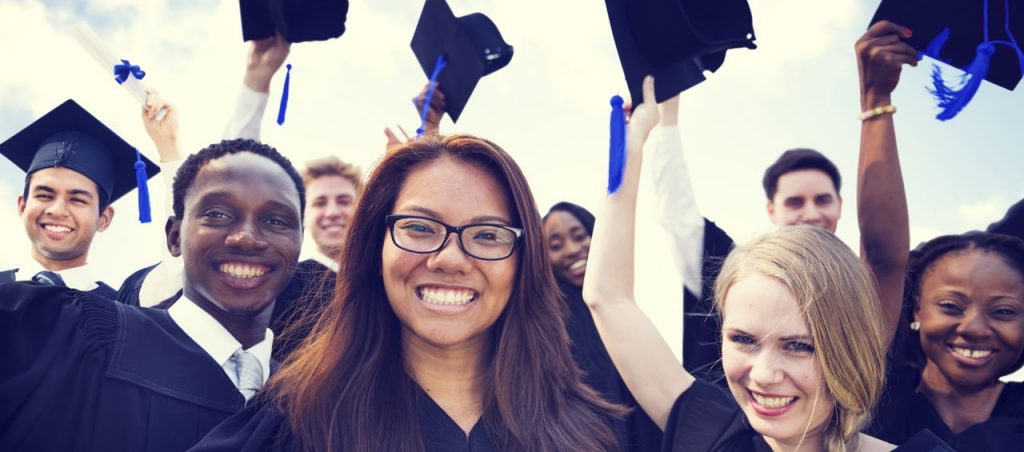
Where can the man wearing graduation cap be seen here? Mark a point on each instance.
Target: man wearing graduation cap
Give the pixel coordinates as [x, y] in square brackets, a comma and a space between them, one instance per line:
[75, 168]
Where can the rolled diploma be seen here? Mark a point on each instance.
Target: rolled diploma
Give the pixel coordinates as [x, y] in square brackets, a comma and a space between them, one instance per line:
[106, 59]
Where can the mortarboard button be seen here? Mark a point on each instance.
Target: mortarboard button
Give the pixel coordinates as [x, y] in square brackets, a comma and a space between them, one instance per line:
[70, 137]
[471, 45]
[965, 21]
[296, 20]
[676, 41]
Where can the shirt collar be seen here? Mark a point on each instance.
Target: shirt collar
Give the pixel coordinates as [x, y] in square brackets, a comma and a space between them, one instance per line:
[213, 338]
[80, 278]
[325, 260]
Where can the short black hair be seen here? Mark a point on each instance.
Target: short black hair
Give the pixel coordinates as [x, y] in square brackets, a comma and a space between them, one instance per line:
[583, 215]
[795, 160]
[921, 260]
[190, 168]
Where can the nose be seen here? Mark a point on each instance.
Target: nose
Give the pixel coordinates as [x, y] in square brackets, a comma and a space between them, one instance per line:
[450, 258]
[247, 237]
[812, 214]
[766, 370]
[57, 208]
[974, 325]
[333, 210]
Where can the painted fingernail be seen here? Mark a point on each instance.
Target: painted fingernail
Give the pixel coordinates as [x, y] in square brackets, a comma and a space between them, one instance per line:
[908, 32]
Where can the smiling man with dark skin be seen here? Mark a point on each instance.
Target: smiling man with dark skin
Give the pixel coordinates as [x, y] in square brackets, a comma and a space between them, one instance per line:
[84, 373]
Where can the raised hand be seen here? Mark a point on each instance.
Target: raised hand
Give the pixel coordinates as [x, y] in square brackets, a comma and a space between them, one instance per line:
[164, 132]
[881, 53]
[265, 57]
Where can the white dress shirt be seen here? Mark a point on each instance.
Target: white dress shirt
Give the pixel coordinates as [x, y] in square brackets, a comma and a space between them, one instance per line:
[325, 260]
[215, 340]
[81, 278]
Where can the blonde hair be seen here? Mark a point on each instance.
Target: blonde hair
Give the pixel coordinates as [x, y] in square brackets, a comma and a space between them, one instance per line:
[839, 301]
[333, 166]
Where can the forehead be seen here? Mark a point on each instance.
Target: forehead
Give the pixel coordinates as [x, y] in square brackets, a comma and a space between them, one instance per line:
[805, 182]
[62, 179]
[330, 186]
[560, 222]
[978, 269]
[249, 176]
[763, 306]
[458, 191]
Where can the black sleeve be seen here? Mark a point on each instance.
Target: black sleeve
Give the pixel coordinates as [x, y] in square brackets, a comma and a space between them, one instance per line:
[705, 418]
[702, 350]
[132, 286]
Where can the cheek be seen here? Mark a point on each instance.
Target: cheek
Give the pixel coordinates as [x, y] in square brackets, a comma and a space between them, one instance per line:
[734, 364]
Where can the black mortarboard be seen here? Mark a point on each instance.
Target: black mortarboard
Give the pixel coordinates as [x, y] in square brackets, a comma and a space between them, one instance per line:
[471, 45]
[676, 40]
[965, 20]
[68, 136]
[296, 20]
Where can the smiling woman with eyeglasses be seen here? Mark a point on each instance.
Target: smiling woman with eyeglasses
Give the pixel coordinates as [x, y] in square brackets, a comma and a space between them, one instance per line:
[446, 331]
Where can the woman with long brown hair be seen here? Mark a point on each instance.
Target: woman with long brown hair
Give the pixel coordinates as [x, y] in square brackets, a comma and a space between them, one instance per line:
[446, 331]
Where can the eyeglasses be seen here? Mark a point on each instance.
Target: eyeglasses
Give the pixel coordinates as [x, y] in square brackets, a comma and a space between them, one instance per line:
[422, 235]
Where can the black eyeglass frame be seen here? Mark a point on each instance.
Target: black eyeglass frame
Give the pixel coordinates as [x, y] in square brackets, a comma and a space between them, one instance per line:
[449, 229]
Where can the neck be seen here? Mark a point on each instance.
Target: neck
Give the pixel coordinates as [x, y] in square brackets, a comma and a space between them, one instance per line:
[959, 407]
[55, 265]
[332, 252]
[812, 442]
[248, 328]
[453, 376]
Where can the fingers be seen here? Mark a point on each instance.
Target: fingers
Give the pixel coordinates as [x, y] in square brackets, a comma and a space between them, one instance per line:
[392, 138]
[407, 137]
[884, 27]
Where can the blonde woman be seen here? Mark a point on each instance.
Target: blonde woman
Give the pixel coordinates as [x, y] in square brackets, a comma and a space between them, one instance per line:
[804, 339]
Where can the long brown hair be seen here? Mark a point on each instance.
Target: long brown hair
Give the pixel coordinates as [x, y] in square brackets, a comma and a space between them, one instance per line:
[347, 388]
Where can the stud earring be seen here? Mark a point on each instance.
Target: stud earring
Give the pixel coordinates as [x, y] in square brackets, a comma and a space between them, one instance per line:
[915, 326]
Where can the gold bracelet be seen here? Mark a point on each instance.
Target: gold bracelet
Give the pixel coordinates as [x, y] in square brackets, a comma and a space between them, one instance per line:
[884, 110]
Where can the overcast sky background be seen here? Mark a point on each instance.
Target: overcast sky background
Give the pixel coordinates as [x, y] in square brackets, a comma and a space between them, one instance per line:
[548, 108]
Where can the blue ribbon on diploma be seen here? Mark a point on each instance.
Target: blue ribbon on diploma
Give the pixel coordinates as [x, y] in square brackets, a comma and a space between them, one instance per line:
[123, 70]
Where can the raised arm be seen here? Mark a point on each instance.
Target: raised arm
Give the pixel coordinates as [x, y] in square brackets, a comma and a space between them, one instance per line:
[881, 199]
[434, 115]
[265, 58]
[641, 355]
[675, 204]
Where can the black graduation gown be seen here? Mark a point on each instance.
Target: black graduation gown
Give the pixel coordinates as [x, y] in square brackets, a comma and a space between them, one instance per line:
[295, 311]
[84, 373]
[262, 427]
[903, 411]
[706, 418]
[101, 289]
[702, 333]
[637, 432]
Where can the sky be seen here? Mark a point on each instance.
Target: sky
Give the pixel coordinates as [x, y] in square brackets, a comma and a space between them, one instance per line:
[548, 108]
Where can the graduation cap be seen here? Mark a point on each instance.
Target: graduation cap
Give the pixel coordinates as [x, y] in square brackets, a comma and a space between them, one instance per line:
[69, 137]
[457, 52]
[296, 20]
[977, 37]
[676, 40]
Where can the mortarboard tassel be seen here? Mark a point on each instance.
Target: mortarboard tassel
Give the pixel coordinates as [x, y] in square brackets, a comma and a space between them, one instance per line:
[145, 215]
[951, 100]
[617, 146]
[438, 66]
[284, 95]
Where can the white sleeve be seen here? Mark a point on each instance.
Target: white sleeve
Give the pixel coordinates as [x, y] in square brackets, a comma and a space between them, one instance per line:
[248, 114]
[676, 205]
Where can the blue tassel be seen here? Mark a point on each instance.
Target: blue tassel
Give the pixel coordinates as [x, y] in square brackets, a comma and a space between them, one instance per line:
[934, 49]
[284, 96]
[617, 148]
[438, 65]
[952, 100]
[145, 215]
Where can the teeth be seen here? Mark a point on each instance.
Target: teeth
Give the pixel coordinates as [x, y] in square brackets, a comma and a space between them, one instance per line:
[56, 228]
[242, 270]
[969, 353]
[450, 297]
[578, 265]
[772, 402]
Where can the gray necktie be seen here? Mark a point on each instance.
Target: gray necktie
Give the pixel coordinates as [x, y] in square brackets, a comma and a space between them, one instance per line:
[48, 277]
[250, 373]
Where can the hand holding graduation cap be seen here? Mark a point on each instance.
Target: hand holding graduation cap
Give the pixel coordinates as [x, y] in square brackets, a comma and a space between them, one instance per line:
[881, 53]
[265, 58]
[644, 117]
[436, 110]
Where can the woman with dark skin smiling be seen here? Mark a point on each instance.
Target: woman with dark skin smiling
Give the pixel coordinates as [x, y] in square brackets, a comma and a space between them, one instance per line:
[445, 332]
[965, 297]
[567, 230]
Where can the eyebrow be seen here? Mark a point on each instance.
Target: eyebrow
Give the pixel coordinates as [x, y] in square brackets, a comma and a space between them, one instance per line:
[477, 219]
[74, 191]
[792, 337]
[224, 196]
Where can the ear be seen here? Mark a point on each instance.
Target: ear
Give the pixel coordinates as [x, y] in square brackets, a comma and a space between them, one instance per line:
[771, 211]
[106, 216]
[173, 230]
[21, 205]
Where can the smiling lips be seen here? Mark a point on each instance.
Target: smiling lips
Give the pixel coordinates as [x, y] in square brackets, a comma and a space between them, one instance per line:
[578, 268]
[970, 353]
[445, 296]
[57, 228]
[769, 404]
[242, 270]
